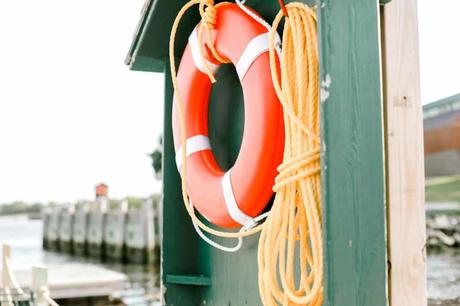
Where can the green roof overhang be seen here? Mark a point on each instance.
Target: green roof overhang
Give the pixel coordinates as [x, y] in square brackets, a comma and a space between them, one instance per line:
[149, 47]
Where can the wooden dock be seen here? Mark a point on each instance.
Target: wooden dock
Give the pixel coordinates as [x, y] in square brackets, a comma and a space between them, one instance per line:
[76, 280]
[119, 234]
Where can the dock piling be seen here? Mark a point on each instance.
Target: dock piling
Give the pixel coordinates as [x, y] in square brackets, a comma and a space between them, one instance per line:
[40, 286]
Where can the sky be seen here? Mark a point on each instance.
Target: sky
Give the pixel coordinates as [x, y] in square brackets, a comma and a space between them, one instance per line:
[439, 29]
[73, 115]
[71, 112]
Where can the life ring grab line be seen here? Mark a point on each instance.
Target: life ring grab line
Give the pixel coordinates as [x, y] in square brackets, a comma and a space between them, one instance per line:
[200, 143]
[219, 246]
[256, 47]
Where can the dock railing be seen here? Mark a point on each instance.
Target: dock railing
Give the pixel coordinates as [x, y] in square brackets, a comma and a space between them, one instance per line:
[9, 282]
[12, 290]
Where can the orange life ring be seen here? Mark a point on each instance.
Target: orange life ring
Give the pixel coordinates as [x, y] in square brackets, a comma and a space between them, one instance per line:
[235, 197]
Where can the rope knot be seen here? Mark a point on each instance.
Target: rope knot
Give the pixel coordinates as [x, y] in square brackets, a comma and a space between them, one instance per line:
[209, 17]
[208, 13]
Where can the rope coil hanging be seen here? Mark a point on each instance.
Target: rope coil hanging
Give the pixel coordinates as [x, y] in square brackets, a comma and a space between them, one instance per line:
[294, 223]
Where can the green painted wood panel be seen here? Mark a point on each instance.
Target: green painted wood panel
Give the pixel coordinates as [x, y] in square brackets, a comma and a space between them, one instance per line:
[352, 157]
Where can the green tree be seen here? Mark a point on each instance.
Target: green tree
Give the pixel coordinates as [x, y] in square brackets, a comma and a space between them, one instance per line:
[157, 156]
[35, 208]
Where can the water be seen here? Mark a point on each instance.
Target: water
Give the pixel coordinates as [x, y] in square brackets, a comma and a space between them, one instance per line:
[444, 277]
[25, 238]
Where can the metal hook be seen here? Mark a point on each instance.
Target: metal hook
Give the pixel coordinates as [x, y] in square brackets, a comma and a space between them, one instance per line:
[283, 8]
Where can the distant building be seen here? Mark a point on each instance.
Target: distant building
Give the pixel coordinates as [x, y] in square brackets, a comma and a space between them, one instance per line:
[101, 190]
[101, 201]
[441, 121]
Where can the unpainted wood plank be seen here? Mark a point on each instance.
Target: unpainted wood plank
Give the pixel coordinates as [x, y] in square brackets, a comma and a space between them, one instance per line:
[405, 157]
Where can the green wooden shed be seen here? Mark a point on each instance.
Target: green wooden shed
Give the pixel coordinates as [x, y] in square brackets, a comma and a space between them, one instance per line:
[358, 59]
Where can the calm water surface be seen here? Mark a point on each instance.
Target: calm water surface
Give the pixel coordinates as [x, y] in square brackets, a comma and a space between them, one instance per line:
[25, 238]
[444, 277]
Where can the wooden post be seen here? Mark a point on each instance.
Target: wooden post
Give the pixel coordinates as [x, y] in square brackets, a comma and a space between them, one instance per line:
[7, 299]
[39, 281]
[8, 279]
[405, 166]
[149, 230]
[6, 254]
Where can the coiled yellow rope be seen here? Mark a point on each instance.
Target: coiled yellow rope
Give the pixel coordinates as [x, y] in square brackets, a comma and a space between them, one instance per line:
[294, 223]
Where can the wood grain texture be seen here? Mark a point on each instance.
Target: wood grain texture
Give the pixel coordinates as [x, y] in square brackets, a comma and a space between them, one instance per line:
[405, 164]
[352, 153]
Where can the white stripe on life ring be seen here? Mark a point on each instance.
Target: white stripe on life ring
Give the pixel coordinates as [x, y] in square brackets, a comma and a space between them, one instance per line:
[233, 210]
[194, 144]
[257, 46]
[196, 54]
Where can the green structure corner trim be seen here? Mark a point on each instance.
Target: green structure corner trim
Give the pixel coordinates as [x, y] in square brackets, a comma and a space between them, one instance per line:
[352, 153]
